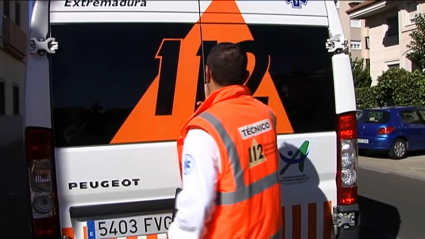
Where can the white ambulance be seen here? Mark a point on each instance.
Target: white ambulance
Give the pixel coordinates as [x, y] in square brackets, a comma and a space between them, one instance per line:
[110, 83]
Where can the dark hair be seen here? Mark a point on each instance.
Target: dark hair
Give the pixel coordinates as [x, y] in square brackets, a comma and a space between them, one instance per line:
[228, 63]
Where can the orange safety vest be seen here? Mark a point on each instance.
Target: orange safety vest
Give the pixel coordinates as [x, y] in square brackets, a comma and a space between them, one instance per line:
[248, 204]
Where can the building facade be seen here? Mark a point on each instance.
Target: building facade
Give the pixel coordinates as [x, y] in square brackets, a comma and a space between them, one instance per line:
[387, 28]
[14, 22]
[354, 29]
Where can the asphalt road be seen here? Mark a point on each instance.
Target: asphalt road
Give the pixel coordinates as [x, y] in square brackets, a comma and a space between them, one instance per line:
[392, 206]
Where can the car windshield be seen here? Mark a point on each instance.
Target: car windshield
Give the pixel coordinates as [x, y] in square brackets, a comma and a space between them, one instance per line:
[374, 116]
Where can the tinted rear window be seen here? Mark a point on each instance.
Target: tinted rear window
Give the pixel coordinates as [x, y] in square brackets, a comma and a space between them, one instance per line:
[102, 71]
[374, 116]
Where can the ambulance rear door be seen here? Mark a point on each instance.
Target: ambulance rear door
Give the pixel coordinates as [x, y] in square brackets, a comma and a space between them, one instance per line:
[101, 94]
[291, 71]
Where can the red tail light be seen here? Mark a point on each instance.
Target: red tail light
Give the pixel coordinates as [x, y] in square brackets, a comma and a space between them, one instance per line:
[385, 130]
[39, 149]
[347, 158]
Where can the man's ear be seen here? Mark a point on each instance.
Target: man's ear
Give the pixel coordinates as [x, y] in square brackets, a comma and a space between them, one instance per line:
[207, 75]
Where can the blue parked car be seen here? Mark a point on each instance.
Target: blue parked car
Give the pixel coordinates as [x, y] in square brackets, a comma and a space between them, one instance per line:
[358, 113]
[395, 130]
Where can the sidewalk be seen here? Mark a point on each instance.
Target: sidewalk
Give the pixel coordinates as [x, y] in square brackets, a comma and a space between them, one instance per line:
[413, 166]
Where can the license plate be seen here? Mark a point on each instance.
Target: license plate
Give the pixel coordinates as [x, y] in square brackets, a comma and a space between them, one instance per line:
[129, 226]
[363, 141]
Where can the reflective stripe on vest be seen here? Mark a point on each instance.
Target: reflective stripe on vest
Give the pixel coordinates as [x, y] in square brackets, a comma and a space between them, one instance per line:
[242, 192]
[273, 118]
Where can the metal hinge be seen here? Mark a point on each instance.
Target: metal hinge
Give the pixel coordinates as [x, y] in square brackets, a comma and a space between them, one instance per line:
[342, 220]
[42, 46]
[337, 45]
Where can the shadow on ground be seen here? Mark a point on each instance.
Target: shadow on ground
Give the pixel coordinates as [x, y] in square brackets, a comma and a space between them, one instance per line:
[14, 192]
[378, 220]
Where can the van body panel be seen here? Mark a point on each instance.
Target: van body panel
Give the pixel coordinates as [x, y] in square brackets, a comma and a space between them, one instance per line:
[126, 172]
[37, 99]
[343, 76]
[266, 8]
[308, 183]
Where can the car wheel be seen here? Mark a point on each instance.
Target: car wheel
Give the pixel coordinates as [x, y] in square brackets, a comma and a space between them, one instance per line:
[398, 149]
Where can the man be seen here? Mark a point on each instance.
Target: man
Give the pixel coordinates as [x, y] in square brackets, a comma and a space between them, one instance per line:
[229, 159]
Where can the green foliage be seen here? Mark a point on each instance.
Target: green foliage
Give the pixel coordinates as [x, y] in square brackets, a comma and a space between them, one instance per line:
[417, 44]
[361, 73]
[365, 97]
[401, 87]
[388, 82]
[396, 87]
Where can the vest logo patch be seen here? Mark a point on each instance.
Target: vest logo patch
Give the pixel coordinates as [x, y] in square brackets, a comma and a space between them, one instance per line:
[188, 164]
[256, 155]
[255, 129]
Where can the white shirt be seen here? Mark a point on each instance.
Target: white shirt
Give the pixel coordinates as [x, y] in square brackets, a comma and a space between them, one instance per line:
[196, 201]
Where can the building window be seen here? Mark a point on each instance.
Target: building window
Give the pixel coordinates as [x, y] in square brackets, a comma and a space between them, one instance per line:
[393, 65]
[17, 13]
[367, 42]
[2, 98]
[355, 45]
[353, 3]
[411, 11]
[392, 23]
[15, 100]
[6, 6]
[355, 23]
